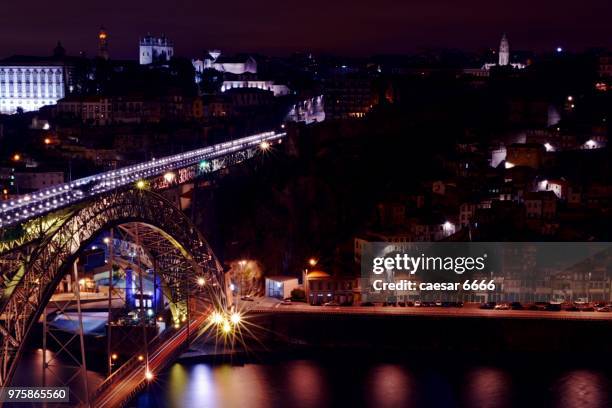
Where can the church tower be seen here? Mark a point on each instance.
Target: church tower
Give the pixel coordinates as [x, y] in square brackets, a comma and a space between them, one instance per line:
[504, 51]
[103, 44]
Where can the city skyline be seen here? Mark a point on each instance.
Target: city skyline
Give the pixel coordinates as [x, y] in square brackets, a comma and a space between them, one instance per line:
[278, 28]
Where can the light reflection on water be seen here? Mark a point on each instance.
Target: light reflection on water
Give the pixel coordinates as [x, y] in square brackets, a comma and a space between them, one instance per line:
[377, 384]
[582, 388]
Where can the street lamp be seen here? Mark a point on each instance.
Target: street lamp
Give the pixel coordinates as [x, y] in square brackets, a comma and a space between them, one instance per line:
[312, 262]
[264, 145]
[242, 264]
[16, 157]
[201, 281]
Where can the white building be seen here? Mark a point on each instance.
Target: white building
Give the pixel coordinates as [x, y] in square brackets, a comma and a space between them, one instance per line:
[277, 90]
[155, 50]
[30, 87]
[280, 286]
[504, 56]
[504, 51]
[214, 60]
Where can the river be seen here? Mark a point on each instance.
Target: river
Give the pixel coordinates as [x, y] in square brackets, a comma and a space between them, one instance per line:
[356, 378]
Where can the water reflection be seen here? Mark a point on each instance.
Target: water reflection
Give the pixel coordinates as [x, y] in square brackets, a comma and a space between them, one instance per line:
[389, 385]
[487, 387]
[336, 381]
[582, 388]
[307, 384]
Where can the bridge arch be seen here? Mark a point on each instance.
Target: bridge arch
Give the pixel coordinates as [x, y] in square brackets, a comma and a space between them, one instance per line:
[47, 259]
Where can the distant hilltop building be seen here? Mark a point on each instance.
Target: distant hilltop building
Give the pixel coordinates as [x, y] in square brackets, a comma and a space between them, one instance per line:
[103, 43]
[155, 50]
[232, 65]
[504, 51]
[504, 56]
[27, 83]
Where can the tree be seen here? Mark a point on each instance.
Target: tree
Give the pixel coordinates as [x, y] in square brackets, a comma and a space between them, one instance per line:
[298, 295]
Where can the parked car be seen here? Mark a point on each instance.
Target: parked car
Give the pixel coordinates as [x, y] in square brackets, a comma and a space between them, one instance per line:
[604, 309]
[417, 303]
[401, 304]
[487, 305]
[553, 307]
[516, 306]
[571, 308]
[248, 298]
[332, 303]
[368, 304]
[286, 301]
[502, 306]
[587, 308]
[410, 304]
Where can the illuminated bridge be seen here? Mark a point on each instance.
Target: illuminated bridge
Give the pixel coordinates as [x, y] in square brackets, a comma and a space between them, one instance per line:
[159, 286]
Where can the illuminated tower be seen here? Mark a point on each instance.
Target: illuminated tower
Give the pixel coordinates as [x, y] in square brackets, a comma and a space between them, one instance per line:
[103, 44]
[504, 51]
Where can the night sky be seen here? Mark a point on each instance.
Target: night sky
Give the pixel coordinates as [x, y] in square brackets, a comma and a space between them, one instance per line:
[279, 27]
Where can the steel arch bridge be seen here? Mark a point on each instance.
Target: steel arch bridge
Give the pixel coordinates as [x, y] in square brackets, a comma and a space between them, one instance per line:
[34, 268]
[43, 235]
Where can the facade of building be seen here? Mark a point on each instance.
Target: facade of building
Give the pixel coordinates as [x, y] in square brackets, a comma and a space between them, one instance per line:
[214, 60]
[92, 109]
[525, 154]
[348, 96]
[30, 86]
[277, 90]
[155, 50]
[32, 181]
[541, 205]
[280, 286]
[321, 287]
[101, 110]
[605, 66]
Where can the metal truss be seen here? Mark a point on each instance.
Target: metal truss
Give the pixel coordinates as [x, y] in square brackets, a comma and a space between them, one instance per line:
[33, 266]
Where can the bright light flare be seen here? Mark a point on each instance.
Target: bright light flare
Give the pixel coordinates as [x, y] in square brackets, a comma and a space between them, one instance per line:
[201, 281]
[217, 318]
[264, 145]
[149, 375]
[140, 184]
[235, 318]
[226, 327]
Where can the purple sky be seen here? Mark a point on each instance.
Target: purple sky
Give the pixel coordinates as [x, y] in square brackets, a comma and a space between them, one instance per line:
[346, 27]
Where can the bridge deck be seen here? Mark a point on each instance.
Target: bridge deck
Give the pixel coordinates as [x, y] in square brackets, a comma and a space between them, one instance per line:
[118, 389]
[53, 198]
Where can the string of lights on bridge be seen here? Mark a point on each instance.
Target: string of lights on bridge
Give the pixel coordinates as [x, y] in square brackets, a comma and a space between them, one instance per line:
[52, 198]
